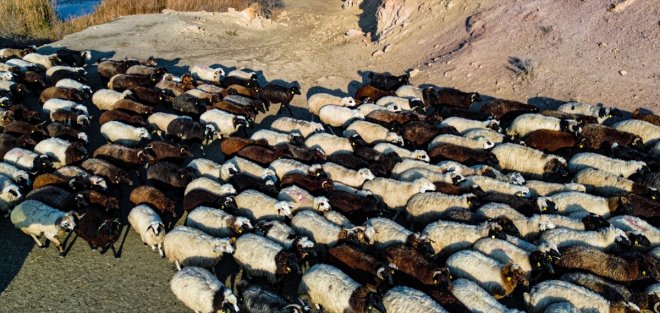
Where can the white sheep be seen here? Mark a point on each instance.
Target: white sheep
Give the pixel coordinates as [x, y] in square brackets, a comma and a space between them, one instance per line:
[329, 144]
[426, 207]
[395, 194]
[402, 299]
[338, 116]
[488, 184]
[23, 65]
[403, 153]
[598, 111]
[207, 168]
[290, 125]
[242, 73]
[52, 105]
[50, 71]
[26, 159]
[207, 73]
[212, 89]
[528, 161]
[211, 186]
[316, 101]
[19, 176]
[105, 99]
[464, 125]
[648, 132]
[487, 134]
[475, 143]
[186, 246]
[334, 291]
[216, 222]
[8, 76]
[618, 167]
[367, 108]
[541, 188]
[602, 239]
[7, 67]
[637, 225]
[476, 299]
[346, 188]
[301, 199]
[124, 134]
[408, 164]
[258, 206]
[284, 235]
[450, 237]
[259, 256]
[521, 222]
[248, 167]
[606, 184]
[347, 176]
[7, 85]
[338, 219]
[274, 138]
[45, 61]
[498, 279]
[436, 177]
[403, 103]
[388, 233]
[372, 133]
[582, 203]
[149, 225]
[73, 84]
[160, 120]
[226, 124]
[60, 150]
[285, 166]
[545, 293]
[201, 291]
[35, 218]
[410, 92]
[318, 228]
[506, 252]
[527, 123]
[10, 193]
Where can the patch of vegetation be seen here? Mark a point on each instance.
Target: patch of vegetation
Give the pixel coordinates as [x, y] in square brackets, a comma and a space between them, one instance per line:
[523, 69]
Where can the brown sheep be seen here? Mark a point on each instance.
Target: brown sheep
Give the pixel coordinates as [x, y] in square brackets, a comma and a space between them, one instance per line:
[251, 92]
[98, 201]
[458, 189]
[622, 269]
[22, 113]
[70, 118]
[176, 88]
[507, 109]
[642, 207]
[120, 155]
[600, 136]
[199, 197]
[144, 70]
[33, 80]
[157, 151]
[418, 269]
[152, 96]
[170, 176]
[371, 93]
[122, 82]
[48, 179]
[19, 128]
[361, 266]
[302, 154]
[467, 156]
[611, 291]
[61, 93]
[651, 118]
[157, 200]
[451, 97]
[107, 170]
[60, 130]
[315, 185]
[8, 142]
[230, 146]
[121, 116]
[550, 141]
[262, 155]
[420, 133]
[356, 208]
[247, 111]
[133, 106]
[110, 68]
[390, 120]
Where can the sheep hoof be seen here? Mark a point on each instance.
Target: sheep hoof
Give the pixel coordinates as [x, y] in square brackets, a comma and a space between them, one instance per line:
[61, 254]
[42, 247]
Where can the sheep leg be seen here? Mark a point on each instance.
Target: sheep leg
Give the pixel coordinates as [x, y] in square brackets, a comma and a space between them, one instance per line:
[288, 108]
[319, 308]
[178, 266]
[91, 246]
[42, 246]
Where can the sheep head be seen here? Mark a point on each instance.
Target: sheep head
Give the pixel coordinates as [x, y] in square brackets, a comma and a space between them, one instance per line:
[295, 138]
[366, 174]
[425, 185]
[83, 120]
[294, 90]
[68, 221]
[513, 276]
[284, 207]
[421, 155]
[348, 102]
[223, 245]
[384, 273]
[594, 222]
[322, 204]
[242, 224]
[394, 138]
[143, 133]
[229, 301]
[227, 189]
[638, 240]
[546, 206]
[541, 261]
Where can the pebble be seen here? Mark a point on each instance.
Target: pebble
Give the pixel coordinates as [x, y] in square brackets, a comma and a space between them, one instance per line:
[414, 72]
[377, 53]
[623, 72]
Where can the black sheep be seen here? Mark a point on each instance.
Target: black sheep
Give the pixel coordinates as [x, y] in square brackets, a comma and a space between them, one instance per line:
[78, 76]
[273, 93]
[188, 130]
[73, 57]
[244, 181]
[387, 81]
[232, 80]
[170, 176]
[189, 105]
[99, 229]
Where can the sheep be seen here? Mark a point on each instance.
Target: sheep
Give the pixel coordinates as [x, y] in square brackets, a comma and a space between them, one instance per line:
[609, 290]
[273, 93]
[639, 114]
[553, 140]
[498, 279]
[189, 104]
[210, 169]
[257, 206]
[408, 164]
[372, 133]
[248, 167]
[261, 257]
[109, 68]
[217, 223]
[263, 155]
[243, 73]
[244, 182]
[61, 93]
[450, 97]
[186, 129]
[507, 109]
[338, 116]
[65, 132]
[44, 61]
[284, 235]
[211, 186]
[156, 200]
[143, 70]
[160, 120]
[407, 104]
[541, 188]
[419, 269]
[476, 298]
[10, 86]
[35, 218]
[99, 229]
[291, 125]
[124, 81]
[224, 123]
[8, 53]
[527, 123]
[329, 144]
[152, 96]
[448, 151]
[613, 166]
[201, 291]
[301, 153]
[488, 184]
[273, 138]
[105, 99]
[642, 207]
[120, 155]
[448, 237]
[368, 108]
[463, 125]
[169, 175]
[132, 106]
[477, 143]
[78, 172]
[568, 203]
[506, 252]
[368, 93]
[231, 145]
[55, 197]
[388, 233]
[637, 225]
[529, 162]
[17, 175]
[603, 239]
[548, 292]
[385, 148]
[301, 199]
[207, 73]
[157, 151]
[610, 266]
[258, 299]
[27, 160]
[61, 151]
[186, 246]
[124, 134]
[606, 184]
[395, 194]
[409, 91]
[598, 111]
[323, 232]
[70, 118]
[73, 57]
[200, 197]
[361, 266]
[72, 84]
[426, 207]
[9, 193]
[347, 176]
[385, 81]
[648, 132]
[23, 65]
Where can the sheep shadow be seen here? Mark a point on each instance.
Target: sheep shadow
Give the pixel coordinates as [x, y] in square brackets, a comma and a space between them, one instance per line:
[368, 22]
[15, 247]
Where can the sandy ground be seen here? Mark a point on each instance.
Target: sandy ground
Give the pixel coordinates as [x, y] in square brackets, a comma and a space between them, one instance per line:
[578, 49]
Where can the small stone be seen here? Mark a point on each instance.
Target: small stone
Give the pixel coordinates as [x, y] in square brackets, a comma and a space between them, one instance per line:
[623, 72]
[414, 72]
[353, 33]
[387, 48]
[377, 53]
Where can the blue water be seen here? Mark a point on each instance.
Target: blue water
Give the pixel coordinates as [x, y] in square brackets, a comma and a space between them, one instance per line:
[67, 9]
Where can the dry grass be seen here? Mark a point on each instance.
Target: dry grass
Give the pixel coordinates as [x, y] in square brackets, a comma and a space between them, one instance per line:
[36, 19]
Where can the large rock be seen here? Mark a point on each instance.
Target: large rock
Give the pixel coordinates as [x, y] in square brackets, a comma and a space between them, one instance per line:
[394, 13]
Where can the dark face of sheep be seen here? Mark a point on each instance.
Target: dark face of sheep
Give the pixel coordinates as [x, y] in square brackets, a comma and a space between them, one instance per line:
[229, 204]
[81, 201]
[375, 303]
[44, 162]
[442, 277]
[638, 240]
[19, 89]
[294, 90]
[514, 275]
[649, 268]
[240, 121]
[594, 222]
[357, 141]
[491, 159]
[556, 167]
[541, 262]
[507, 226]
